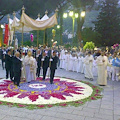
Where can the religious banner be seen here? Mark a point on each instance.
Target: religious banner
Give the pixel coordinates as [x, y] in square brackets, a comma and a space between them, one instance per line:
[6, 35]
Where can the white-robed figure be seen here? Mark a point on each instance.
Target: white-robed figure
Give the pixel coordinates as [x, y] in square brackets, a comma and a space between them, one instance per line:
[102, 62]
[70, 63]
[61, 58]
[94, 69]
[30, 67]
[63, 61]
[75, 63]
[67, 61]
[80, 65]
[88, 61]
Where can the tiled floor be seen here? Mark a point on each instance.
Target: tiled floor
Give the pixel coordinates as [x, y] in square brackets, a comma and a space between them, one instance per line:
[107, 108]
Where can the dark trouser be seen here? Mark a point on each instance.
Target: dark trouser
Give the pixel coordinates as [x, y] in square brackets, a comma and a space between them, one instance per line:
[9, 71]
[38, 72]
[17, 76]
[52, 74]
[44, 72]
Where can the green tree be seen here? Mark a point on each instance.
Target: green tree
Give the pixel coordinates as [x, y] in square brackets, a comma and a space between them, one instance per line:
[108, 23]
[88, 34]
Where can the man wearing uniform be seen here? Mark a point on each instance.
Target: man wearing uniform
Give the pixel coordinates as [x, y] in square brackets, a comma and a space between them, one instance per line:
[53, 66]
[45, 64]
[8, 65]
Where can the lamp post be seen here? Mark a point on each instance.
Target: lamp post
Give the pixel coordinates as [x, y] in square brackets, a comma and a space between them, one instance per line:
[74, 16]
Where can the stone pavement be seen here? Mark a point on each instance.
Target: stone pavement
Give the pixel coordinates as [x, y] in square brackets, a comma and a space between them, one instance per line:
[107, 108]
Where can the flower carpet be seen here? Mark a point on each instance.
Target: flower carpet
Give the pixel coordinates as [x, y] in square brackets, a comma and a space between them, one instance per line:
[42, 94]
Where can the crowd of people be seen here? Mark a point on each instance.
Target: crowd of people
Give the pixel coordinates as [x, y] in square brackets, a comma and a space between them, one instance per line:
[29, 62]
[99, 63]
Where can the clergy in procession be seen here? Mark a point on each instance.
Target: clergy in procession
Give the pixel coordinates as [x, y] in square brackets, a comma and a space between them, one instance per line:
[29, 64]
[17, 68]
[8, 65]
[53, 66]
[88, 61]
[102, 62]
[45, 64]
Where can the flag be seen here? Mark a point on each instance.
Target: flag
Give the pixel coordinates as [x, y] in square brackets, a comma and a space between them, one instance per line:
[6, 34]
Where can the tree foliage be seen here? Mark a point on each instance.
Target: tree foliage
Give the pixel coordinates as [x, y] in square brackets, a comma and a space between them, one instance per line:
[89, 45]
[108, 23]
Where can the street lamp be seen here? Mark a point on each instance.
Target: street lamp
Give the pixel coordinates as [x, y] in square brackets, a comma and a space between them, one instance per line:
[65, 15]
[73, 15]
[58, 26]
[83, 14]
[2, 26]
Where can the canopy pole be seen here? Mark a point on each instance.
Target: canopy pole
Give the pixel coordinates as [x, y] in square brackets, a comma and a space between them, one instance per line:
[37, 37]
[14, 37]
[44, 38]
[22, 33]
[23, 10]
[14, 14]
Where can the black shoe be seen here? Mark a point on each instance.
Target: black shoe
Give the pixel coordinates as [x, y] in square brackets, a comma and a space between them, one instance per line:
[102, 85]
[28, 82]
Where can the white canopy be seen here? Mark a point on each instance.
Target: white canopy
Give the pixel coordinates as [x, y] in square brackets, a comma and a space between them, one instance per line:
[28, 24]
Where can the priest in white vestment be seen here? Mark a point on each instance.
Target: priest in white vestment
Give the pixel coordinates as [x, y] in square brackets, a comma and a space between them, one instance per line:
[30, 67]
[88, 61]
[102, 62]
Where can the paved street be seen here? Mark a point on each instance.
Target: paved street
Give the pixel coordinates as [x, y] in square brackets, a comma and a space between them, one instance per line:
[107, 108]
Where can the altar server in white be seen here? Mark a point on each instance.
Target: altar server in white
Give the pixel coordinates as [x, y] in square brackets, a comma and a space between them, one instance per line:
[102, 62]
[88, 66]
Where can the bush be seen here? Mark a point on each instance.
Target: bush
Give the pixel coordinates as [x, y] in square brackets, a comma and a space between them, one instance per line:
[89, 45]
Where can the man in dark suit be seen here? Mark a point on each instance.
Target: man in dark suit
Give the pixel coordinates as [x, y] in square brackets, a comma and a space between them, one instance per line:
[45, 64]
[53, 66]
[8, 65]
[17, 65]
[39, 64]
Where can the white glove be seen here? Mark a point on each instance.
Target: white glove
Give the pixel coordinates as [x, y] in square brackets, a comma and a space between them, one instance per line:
[42, 59]
[51, 59]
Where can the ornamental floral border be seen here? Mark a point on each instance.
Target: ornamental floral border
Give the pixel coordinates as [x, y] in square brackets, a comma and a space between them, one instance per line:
[96, 94]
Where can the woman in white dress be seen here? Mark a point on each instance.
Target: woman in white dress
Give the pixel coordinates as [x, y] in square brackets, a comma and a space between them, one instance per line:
[30, 67]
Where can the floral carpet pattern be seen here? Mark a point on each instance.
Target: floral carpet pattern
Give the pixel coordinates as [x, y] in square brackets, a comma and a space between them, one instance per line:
[41, 94]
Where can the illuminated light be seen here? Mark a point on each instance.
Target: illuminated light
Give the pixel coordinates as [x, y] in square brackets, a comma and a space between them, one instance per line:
[58, 26]
[71, 13]
[83, 14]
[65, 15]
[76, 15]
